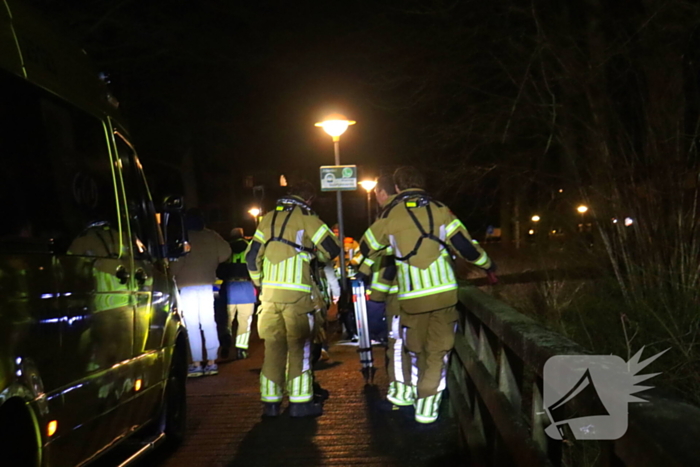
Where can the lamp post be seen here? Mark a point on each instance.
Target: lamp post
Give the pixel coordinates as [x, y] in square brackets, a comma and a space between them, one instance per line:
[369, 186]
[335, 125]
[255, 212]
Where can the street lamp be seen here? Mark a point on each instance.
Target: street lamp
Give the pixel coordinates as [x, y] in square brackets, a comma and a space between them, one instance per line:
[369, 186]
[535, 218]
[335, 125]
[255, 212]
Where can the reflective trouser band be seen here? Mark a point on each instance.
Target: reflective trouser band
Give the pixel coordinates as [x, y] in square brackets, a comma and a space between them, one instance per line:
[269, 390]
[400, 394]
[242, 340]
[300, 389]
[427, 408]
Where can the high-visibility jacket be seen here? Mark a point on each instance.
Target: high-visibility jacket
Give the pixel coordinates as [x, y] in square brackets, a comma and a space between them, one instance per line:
[422, 234]
[279, 256]
[384, 270]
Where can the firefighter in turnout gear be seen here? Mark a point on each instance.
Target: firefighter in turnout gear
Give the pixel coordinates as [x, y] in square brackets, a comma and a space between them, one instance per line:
[278, 259]
[385, 289]
[423, 233]
[240, 295]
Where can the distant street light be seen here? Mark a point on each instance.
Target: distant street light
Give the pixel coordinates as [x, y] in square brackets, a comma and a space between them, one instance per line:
[582, 209]
[369, 186]
[535, 218]
[335, 125]
[255, 212]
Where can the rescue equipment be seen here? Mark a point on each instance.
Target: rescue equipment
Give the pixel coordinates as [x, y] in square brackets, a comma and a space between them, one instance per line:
[359, 299]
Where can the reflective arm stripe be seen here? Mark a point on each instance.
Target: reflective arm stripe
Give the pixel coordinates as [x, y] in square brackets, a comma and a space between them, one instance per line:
[320, 233]
[260, 236]
[394, 289]
[372, 240]
[453, 226]
[379, 287]
[483, 259]
[254, 275]
[369, 262]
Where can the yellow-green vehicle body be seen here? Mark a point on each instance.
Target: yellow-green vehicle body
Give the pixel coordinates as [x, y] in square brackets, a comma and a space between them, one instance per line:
[90, 335]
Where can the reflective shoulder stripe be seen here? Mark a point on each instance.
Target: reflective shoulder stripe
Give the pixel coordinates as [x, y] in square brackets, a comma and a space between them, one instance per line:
[372, 240]
[320, 233]
[453, 226]
[259, 235]
[483, 259]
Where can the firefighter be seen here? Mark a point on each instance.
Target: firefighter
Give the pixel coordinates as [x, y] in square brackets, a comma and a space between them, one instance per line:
[422, 234]
[240, 295]
[278, 260]
[385, 289]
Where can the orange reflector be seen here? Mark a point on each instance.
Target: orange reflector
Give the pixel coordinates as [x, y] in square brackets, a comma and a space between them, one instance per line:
[137, 385]
[52, 427]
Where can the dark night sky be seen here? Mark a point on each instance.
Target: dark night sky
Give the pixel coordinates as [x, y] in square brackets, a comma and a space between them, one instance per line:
[240, 85]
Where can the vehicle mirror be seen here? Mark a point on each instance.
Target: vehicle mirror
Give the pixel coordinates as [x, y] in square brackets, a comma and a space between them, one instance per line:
[173, 226]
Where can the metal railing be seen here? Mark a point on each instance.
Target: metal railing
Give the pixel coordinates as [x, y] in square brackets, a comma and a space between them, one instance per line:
[495, 386]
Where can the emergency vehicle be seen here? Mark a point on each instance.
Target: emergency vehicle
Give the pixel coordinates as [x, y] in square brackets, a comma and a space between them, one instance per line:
[92, 347]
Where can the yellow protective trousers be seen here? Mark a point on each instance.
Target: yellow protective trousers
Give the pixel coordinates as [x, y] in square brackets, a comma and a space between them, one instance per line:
[398, 360]
[243, 313]
[429, 338]
[286, 329]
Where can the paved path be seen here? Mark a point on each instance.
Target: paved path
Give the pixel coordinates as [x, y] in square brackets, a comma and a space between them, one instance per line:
[225, 427]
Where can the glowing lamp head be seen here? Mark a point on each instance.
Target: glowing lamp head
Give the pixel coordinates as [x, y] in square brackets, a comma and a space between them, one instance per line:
[255, 212]
[335, 125]
[582, 209]
[535, 218]
[368, 184]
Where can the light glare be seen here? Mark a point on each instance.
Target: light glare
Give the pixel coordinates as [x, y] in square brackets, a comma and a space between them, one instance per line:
[582, 209]
[255, 212]
[535, 218]
[368, 184]
[335, 125]
[52, 427]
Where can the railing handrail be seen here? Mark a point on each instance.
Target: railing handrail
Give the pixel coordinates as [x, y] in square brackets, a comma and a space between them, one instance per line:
[663, 431]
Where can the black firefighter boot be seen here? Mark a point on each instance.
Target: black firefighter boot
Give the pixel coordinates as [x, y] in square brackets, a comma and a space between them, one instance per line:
[305, 409]
[271, 409]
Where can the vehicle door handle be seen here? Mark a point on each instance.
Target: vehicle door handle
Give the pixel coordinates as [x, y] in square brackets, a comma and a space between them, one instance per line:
[141, 276]
[122, 274]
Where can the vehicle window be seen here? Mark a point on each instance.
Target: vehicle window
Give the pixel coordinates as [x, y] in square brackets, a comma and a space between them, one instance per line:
[145, 232]
[56, 183]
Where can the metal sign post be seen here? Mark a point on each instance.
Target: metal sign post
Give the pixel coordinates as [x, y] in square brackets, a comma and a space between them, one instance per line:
[339, 178]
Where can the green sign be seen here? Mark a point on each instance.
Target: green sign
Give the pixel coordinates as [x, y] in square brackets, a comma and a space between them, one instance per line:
[338, 178]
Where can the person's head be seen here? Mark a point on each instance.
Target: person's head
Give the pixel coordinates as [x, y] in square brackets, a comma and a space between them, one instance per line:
[385, 189]
[335, 230]
[304, 190]
[408, 177]
[236, 233]
[194, 219]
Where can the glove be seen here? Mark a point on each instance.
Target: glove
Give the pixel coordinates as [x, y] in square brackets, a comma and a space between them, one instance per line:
[491, 277]
[364, 278]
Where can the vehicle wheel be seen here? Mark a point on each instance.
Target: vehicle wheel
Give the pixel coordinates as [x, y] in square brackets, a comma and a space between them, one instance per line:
[174, 415]
[18, 442]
